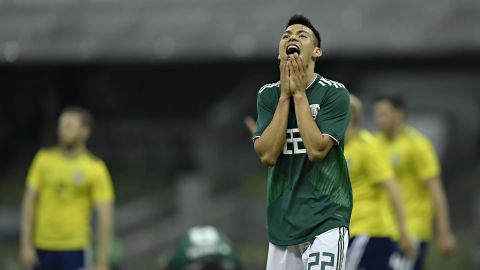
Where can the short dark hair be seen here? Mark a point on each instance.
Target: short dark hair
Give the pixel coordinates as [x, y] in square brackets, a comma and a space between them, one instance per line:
[395, 100]
[300, 19]
[85, 116]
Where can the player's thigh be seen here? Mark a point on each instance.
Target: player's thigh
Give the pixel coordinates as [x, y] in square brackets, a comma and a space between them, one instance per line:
[74, 260]
[284, 257]
[327, 251]
[46, 260]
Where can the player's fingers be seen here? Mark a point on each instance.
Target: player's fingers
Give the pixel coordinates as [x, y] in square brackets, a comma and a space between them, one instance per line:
[300, 64]
[283, 70]
[282, 64]
[285, 67]
[295, 66]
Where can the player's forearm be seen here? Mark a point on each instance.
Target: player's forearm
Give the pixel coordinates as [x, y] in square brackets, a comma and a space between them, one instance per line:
[270, 144]
[104, 231]
[316, 144]
[397, 203]
[441, 206]
[28, 213]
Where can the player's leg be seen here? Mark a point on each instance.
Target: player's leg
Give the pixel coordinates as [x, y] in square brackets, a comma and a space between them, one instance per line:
[284, 258]
[422, 254]
[73, 260]
[327, 251]
[46, 260]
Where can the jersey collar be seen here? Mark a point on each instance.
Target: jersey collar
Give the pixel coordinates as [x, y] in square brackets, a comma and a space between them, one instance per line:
[314, 79]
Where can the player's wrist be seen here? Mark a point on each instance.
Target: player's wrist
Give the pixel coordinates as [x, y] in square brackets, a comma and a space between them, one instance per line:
[284, 97]
[445, 233]
[26, 243]
[299, 95]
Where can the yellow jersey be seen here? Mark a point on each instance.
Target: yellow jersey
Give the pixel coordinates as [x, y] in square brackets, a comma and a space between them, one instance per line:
[414, 161]
[67, 189]
[368, 167]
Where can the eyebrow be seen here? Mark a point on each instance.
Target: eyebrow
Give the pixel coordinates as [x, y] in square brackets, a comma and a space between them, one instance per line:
[299, 31]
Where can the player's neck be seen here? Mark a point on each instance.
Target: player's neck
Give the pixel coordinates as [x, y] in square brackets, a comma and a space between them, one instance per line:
[73, 150]
[395, 131]
[310, 74]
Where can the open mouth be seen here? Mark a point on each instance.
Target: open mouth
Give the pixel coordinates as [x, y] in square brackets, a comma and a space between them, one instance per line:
[291, 49]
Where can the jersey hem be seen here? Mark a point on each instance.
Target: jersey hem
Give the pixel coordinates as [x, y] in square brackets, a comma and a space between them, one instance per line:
[311, 236]
[61, 248]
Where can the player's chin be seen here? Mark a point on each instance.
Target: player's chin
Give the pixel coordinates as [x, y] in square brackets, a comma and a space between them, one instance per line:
[67, 142]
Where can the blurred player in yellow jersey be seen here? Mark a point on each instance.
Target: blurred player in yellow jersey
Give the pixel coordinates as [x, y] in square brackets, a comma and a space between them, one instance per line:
[417, 172]
[373, 240]
[63, 184]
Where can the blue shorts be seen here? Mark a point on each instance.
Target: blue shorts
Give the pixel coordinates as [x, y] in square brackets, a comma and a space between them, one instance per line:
[422, 254]
[62, 260]
[371, 253]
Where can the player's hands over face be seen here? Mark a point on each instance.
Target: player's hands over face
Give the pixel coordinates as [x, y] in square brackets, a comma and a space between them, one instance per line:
[298, 82]
[28, 256]
[284, 77]
[446, 244]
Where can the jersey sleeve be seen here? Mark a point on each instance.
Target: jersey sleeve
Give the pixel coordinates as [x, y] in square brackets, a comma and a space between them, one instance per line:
[334, 114]
[265, 110]
[102, 185]
[378, 166]
[34, 176]
[426, 163]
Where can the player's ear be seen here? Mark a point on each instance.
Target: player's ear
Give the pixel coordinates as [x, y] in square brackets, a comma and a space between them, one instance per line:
[317, 52]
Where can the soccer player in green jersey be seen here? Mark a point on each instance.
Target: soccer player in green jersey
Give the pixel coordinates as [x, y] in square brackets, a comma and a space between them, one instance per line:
[300, 136]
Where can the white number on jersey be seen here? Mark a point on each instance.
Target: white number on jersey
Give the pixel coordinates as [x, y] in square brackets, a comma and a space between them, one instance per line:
[291, 146]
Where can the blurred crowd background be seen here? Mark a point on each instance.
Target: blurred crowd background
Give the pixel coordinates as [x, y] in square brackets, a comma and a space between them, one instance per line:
[170, 82]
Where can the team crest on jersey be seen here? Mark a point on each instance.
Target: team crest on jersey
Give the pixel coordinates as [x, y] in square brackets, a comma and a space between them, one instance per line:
[78, 178]
[315, 109]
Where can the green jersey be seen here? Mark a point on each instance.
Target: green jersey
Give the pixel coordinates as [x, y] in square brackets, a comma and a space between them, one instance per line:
[306, 199]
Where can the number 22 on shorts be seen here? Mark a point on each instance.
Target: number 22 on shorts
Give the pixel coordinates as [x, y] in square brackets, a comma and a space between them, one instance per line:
[323, 263]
